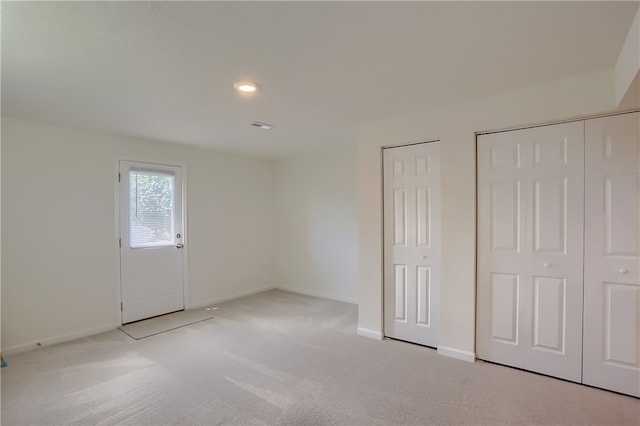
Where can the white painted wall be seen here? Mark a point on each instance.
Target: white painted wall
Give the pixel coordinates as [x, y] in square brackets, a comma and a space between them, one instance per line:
[628, 67]
[455, 126]
[0, 240]
[59, 234]
[317, 244]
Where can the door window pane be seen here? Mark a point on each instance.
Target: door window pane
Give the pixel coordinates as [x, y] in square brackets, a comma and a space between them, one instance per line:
[151, 201]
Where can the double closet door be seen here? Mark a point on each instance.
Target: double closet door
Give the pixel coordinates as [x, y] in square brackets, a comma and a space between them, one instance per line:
[558, 235]
[611, 357]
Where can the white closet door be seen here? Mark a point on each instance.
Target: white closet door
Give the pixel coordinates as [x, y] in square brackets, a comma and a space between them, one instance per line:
[555, 222]
[612, 254]
[502, 255]
[412, 243]
[530, 252]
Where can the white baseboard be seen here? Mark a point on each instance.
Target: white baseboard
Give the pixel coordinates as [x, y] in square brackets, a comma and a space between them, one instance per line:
[457, 354]
[318, 294]
[228, 297]
[112, 326]
[58, 339]
[371, 334]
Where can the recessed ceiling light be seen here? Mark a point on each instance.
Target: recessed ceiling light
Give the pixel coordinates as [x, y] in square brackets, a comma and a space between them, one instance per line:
[246, 86]
[263, 126]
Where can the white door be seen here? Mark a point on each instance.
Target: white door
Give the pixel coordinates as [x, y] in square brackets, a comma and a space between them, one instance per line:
[612, 254]
[412, 243]
[151, 240]
[530, 249]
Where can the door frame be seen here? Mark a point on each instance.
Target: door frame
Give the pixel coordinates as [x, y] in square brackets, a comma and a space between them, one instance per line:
[185, 233]
[382, 246]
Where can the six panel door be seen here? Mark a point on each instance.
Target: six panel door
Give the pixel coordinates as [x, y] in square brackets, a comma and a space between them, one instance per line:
[412, 243]
[530, 249]
[612, 254]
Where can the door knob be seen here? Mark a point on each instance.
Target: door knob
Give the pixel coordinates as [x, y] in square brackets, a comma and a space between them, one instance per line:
[179, 245]
[547, 265]
[422, 256]
[623, 271]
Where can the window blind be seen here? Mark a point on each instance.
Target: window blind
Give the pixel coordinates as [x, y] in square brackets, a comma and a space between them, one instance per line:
[152, 204]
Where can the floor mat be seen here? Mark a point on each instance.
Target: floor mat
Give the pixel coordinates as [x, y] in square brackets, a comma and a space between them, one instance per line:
[152, 326]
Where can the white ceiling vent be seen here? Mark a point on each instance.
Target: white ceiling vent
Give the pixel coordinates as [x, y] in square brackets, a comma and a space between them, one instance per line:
[263, 126]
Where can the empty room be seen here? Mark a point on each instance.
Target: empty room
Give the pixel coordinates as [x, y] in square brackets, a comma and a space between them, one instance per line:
[317, 212]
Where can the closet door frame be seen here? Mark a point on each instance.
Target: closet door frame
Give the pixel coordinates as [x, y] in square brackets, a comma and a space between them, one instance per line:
[478, 266]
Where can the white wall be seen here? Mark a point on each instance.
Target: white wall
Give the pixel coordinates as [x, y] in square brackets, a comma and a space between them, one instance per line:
[59, 237]
[628, 67]
[455, 126]
[317, 244]
[0, 245]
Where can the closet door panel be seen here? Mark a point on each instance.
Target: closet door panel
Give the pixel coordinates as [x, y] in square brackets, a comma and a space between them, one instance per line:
[612, 254]
[555, 217]
[501, 241]
[530, 210]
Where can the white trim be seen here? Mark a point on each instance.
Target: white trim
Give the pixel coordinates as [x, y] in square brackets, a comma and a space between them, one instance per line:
[551, 123]
[59, 339]
[151, 161]
[229, 297]
[261, 290]
[118, 311]
[113, 326]
[404, 144]
[371, 334]
[185, 239]
[318, 294]
[457, 354]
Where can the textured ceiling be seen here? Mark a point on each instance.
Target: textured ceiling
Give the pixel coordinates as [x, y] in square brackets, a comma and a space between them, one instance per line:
[165, 70]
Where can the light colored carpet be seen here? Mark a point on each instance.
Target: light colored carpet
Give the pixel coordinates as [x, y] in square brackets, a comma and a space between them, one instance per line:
[279, 358]
[161, 324]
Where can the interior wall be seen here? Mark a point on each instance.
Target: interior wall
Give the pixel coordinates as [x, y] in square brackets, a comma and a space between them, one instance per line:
[0, 245]
[628, 67]
[317, 244]
[455, 126]
[59, 228]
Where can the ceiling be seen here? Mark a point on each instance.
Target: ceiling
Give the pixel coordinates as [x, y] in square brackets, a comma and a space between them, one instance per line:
[165, 70]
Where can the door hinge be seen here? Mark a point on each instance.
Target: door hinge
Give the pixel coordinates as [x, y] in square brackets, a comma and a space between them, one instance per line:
[120, 242]
[121, 308]
[118, 176]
